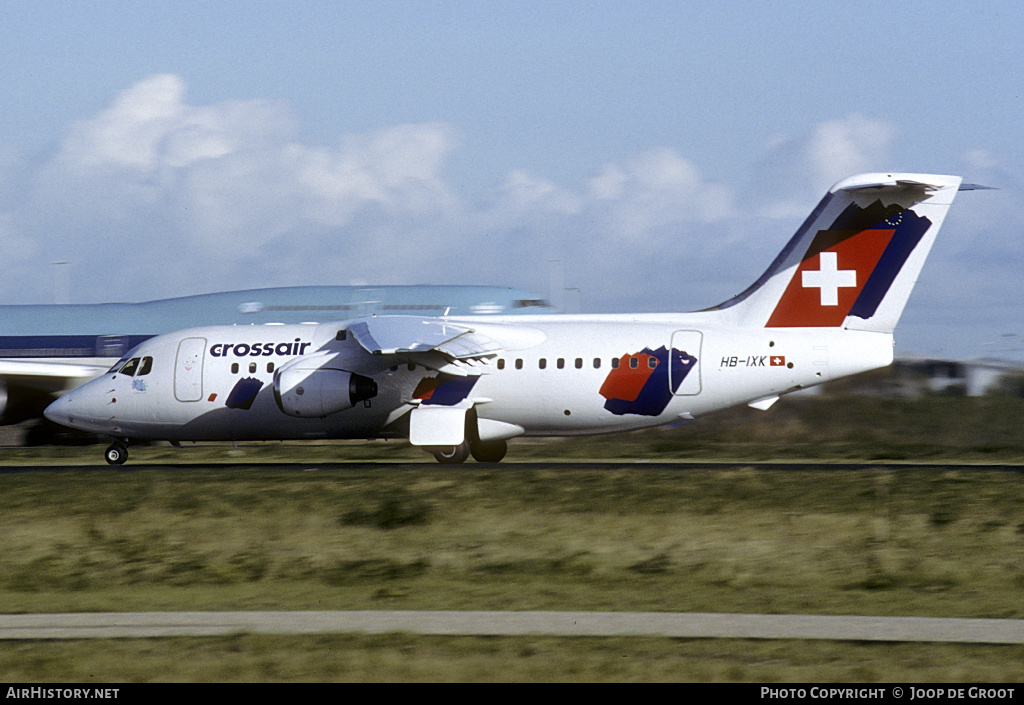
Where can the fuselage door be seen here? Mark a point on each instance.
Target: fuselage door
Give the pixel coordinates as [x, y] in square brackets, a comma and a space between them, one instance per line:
[188, 369]
[684, 356]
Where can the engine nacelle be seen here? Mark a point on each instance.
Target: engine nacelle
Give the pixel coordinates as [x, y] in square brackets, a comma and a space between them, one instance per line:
[315, 392]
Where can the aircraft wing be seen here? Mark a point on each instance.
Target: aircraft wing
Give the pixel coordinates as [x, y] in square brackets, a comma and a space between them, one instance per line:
[338, 377]
[47, 376]
[454, 349]
[28, 386]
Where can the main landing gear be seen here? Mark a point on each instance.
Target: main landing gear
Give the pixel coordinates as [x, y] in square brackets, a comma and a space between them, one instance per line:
[482, 452]
[117, 453]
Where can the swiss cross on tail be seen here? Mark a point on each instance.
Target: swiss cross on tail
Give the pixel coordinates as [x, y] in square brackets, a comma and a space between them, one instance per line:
[850, 266]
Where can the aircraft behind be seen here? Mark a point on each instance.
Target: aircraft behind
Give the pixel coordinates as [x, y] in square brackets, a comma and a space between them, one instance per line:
[464, 385]
[46, 350]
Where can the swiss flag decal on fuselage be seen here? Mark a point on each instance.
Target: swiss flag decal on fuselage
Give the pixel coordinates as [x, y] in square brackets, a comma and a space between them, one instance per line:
[830, 278]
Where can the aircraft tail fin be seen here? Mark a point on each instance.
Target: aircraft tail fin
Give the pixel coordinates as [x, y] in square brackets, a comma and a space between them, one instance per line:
[853, 262]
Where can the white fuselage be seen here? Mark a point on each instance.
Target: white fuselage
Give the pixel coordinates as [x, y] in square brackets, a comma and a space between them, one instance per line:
[554, 375]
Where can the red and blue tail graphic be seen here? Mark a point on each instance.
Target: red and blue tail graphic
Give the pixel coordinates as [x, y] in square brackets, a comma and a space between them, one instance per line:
[855, 259]
[849, 268]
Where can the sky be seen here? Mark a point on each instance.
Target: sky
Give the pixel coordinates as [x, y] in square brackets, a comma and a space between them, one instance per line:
[614, 156]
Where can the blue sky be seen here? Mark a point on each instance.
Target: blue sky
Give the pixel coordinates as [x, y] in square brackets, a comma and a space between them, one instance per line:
[662, 152]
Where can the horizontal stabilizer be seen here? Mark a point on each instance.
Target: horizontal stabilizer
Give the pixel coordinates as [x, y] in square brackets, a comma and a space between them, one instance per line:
[883, 185]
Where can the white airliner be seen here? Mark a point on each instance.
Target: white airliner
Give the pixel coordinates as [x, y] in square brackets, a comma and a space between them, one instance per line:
[825, 308]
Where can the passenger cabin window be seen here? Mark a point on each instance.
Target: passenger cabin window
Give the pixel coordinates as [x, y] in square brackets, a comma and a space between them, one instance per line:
[501, 364]
[543, 363]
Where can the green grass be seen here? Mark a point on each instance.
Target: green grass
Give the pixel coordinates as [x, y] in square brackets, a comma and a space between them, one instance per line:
[404, 657]
[911, 542]
[882, 541]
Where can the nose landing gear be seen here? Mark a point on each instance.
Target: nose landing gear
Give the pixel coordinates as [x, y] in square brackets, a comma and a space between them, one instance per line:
[116, 453]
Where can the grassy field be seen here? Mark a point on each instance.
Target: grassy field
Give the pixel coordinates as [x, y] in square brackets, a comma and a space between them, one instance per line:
[880, 541]
[404, 657]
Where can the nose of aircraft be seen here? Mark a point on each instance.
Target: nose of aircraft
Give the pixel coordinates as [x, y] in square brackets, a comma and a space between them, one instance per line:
[60, 411]
[87, 408]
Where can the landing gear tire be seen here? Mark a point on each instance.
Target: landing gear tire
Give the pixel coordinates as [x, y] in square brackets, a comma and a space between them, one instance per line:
[453, 455]
[488, 452]
[116, 454]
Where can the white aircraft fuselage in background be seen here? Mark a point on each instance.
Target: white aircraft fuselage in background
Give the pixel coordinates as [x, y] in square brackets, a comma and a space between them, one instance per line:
[826, 308]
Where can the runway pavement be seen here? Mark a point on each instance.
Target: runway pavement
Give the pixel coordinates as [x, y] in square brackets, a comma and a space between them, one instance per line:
[104, 625]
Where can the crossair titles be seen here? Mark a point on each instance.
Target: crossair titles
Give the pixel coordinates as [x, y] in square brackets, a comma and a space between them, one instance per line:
[259, 349]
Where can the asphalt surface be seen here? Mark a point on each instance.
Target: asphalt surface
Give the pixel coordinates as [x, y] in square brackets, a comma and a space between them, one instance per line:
[107, 625]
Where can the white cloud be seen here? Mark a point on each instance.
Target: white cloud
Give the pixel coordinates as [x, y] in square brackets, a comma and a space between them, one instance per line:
[197, 192]
[797, 171]
[150, 128]
[653, 191]
[396, 168]
[522, 193]
[164, 197]
[852, 145]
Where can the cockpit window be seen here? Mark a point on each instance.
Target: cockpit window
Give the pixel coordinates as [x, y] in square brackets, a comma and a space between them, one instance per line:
[147, 366]
[130, 367]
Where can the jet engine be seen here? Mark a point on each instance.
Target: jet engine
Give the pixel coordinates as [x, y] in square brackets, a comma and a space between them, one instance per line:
[314, 392]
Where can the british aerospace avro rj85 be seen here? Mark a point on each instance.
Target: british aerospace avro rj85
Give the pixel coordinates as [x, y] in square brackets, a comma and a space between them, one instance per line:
[459, 386]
